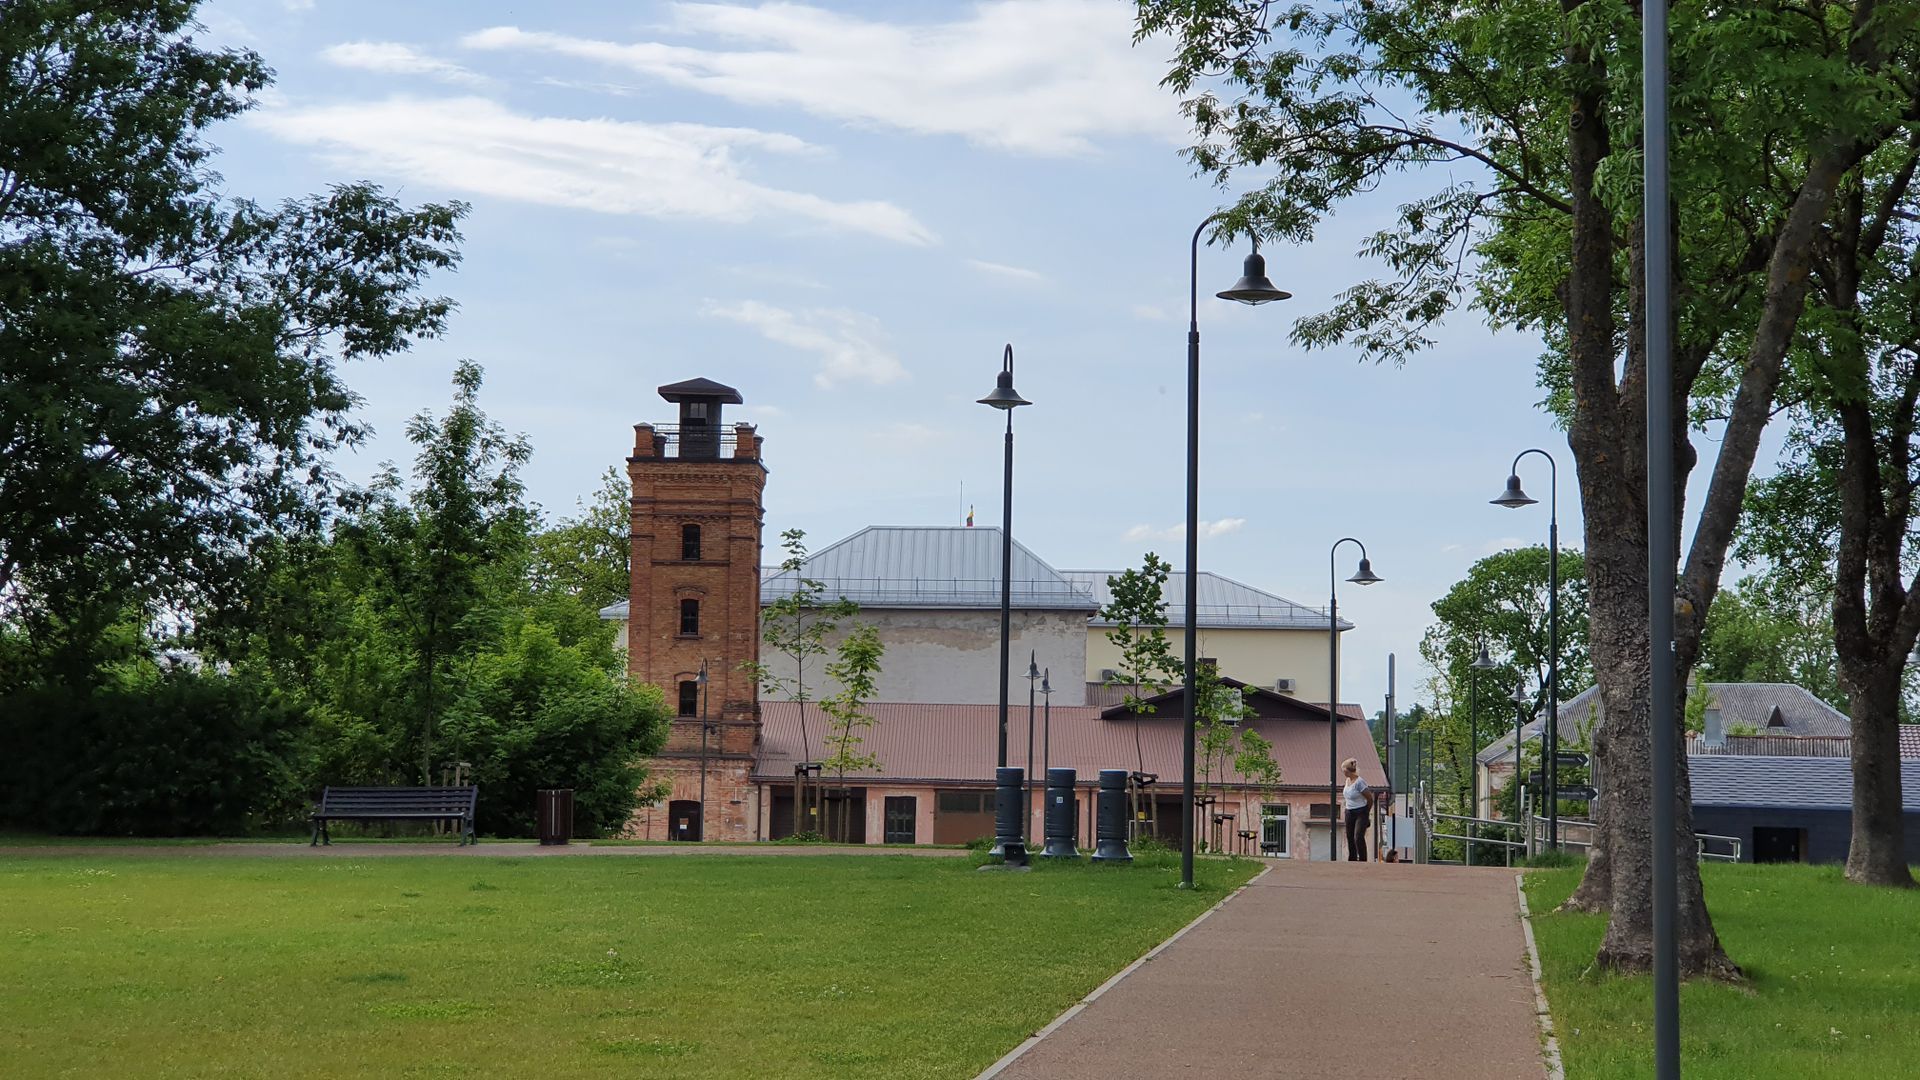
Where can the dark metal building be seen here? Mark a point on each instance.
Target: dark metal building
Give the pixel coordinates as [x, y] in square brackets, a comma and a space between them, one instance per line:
[1788, 809]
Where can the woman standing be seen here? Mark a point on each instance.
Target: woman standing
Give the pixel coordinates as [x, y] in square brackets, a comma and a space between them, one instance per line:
[1358, 800]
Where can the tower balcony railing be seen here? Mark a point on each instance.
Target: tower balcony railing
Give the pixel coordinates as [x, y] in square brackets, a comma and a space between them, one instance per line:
[702, 443]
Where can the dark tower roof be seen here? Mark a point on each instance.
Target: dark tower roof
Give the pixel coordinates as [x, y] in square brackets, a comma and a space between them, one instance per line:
[701, 390]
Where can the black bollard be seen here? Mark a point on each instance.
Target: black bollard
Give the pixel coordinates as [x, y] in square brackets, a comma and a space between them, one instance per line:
[1110, 818]
[1059, 816]
[1009, 806]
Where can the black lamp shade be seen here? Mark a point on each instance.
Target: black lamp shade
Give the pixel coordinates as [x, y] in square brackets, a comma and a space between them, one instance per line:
[1004, 396]
[1520, 696]
[1365, 575]
[1253, 286]
[1513, 497]
[1483, 662]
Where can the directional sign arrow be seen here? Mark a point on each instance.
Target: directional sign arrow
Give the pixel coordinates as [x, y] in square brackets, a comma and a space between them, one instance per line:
[1570, 761]
[1535, 778]
[1579, 794]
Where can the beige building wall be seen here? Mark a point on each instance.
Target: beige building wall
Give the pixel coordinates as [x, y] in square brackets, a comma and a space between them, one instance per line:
[1254, 656]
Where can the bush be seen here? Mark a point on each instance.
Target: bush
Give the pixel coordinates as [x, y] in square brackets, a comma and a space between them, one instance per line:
[538, 714]
[156, 753]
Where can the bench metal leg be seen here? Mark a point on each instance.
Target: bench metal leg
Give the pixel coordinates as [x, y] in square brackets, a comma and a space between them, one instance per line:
[316, 834]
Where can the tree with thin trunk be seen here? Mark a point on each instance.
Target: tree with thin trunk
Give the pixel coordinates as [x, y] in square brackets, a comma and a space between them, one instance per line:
[1137, 608]
[856, 668]
[796, 627]
[1526, 115]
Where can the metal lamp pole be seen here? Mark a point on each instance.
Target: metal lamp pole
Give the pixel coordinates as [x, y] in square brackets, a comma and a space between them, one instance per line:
[1046, 721]
[1513, 498]
[1033, 675]
[1363, 576]
[702, 680]
[1253, 288]
[1006, 399]
[1521, 700]
[1661, 555]
[1480, 663]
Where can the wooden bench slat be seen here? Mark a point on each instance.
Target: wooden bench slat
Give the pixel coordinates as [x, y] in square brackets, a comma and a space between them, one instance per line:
[396, 803]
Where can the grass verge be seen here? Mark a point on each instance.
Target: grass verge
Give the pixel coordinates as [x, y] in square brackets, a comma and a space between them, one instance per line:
[151, 966]
[1833, 981]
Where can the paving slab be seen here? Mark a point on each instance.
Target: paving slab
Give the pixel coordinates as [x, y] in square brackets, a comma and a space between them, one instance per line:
[1317, 970]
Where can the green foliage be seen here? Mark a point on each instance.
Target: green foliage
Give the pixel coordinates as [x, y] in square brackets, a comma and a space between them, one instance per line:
[855, 668]
[172, 378]
[1137, 608]
[585, 556]
[534, 713]
[1766, 629]
[157, 751]
[796, 626]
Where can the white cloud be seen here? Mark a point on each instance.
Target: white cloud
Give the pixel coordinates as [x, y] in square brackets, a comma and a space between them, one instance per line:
[1149, 312]
[1179, 532]
[850, 345]
[393, 58]
[1044, 77]
[474, 145]
[1505, 543]
[1018, 273]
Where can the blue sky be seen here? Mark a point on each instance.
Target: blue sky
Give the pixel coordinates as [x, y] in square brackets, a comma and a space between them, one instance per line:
[845, 211]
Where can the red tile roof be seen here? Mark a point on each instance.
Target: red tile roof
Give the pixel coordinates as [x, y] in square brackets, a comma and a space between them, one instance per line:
[1909, 741]
[956, 743]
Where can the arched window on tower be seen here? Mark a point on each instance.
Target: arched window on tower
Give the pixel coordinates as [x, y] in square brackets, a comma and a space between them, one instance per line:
[689, 698]
[690, 543]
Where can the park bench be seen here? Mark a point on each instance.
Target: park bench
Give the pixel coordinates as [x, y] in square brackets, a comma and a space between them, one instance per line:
[396, 804]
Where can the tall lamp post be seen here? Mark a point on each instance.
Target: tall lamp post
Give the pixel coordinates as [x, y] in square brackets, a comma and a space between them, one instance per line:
[1363, 576]
[1033, 676]
[1046, 721]
[1480, 663]
[1006, 399]
[1521, 712]
[704, 728]
[1513, 498]
[1252, 289]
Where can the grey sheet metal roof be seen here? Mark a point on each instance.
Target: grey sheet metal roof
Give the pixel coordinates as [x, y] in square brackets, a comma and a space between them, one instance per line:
[1752, 704]
[1224, 602]
[931, 566]
[1786, 782]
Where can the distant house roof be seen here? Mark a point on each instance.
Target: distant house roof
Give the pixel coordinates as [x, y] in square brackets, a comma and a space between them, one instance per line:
[1223, 603]
[956, 744]
[930, 566]
[1785, 782]
[1909, 741]
[1770, 708]
[1829, 746]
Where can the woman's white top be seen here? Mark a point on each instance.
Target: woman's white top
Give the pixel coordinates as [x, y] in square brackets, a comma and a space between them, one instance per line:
[1356, 794]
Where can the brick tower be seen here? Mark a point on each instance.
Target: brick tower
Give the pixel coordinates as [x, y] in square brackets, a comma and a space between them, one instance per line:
[694, 604]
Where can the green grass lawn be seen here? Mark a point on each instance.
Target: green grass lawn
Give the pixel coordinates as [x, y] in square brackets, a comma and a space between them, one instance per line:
[397, 966]
[1833, 990]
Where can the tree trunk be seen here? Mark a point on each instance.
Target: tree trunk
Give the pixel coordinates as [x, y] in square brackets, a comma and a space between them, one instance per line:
[1595, 893]
[1877, 853]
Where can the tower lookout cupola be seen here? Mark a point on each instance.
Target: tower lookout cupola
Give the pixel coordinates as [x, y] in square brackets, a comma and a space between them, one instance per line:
[700, 401]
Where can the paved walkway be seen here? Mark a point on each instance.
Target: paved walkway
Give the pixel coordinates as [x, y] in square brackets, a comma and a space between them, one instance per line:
[1317, 970]
[351, 849]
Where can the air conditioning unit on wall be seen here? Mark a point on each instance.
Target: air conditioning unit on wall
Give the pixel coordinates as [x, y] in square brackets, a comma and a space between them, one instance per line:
[1284, 686]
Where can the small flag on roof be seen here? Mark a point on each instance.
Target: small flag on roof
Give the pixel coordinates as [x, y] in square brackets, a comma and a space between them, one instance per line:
[969, 517]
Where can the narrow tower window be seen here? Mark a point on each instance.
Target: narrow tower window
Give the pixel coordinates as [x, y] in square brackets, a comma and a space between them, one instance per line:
[690, 617]
[690, 543]
[689, 698]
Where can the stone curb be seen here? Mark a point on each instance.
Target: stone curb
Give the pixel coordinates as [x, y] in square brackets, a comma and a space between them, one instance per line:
[1549, 1045]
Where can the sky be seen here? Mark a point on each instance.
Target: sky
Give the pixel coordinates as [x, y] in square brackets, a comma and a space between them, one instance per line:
[846, 211]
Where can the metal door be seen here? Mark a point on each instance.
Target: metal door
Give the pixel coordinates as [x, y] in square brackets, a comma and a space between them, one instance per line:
[902, 817]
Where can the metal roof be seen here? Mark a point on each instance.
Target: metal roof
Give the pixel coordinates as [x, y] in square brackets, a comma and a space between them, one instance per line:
[930, 566]
[700, 390]
[1223, 603]
[1750, 704]
[956, 743]
[1810, 783]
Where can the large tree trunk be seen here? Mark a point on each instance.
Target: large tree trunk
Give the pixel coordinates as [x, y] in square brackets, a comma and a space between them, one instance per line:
[1877, 853]
[1595, 894]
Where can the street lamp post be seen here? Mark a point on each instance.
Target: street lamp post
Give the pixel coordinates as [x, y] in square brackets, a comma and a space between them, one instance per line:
[1363, 576]
[1006, 399]
[702, 680]
[1514, 498]
[1033, 676]
[1253, 288]
[1046, 720]
[1521, 700]
[1480, 663]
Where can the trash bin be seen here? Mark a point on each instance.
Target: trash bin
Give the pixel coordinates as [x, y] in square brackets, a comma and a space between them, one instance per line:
[554, 809]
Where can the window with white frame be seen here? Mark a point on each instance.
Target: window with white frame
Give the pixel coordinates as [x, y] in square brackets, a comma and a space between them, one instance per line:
[1273, 829]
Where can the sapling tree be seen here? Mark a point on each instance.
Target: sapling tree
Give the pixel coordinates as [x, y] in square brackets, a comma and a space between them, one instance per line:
[856, 668]
[1137, 608]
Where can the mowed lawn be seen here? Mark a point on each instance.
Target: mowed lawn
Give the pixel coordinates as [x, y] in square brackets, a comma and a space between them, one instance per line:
[183, 965]
[1833, 982]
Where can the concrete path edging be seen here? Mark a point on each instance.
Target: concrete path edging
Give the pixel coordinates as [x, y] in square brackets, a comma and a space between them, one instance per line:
[1549, 1045]
[1075, 1009]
